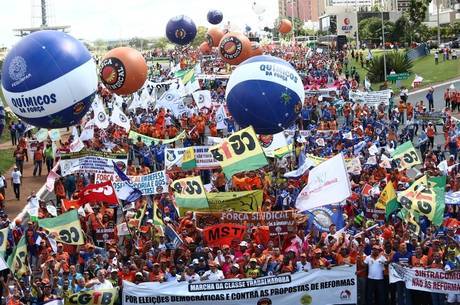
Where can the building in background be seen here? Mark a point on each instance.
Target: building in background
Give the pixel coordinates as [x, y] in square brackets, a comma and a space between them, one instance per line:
[305, 10]
[449, 12]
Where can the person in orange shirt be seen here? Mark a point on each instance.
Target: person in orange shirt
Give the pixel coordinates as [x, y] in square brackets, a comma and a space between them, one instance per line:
[430, 133]
[409, 111]
[419, 259]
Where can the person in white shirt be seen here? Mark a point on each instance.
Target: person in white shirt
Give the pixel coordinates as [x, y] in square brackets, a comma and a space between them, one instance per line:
[16, 182]
[171, 275]
[375, 283]
[100, 282]
[2, 184]
[213, 274]
[190, 275]
[303, 264]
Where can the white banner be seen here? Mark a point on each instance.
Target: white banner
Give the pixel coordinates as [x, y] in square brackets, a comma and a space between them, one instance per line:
[151, 184]
[335, 286]
[204, 159]
[347, 23]
[89, 161]
[373, 98]
[202, 98]
[327, 183]
[270, 143]
[431, 280]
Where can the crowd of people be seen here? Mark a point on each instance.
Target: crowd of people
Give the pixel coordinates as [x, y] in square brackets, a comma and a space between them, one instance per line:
[332, 124]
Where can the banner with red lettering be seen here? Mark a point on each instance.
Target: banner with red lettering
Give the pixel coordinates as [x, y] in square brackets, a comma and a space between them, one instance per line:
[99, 192]
[431, 280]
[223, 234]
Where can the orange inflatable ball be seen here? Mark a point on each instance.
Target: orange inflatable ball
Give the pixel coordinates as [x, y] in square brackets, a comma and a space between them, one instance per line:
[256, 49]
[285, 26]
[213, 36]
[205, 48]
[235, 48]
[123, 70]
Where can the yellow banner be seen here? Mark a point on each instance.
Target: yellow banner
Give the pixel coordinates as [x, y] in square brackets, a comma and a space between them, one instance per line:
[386, 196]
[65, 228]
[189, 192]
[93, 297]
[406, 156]
[317, 160]
[17, 261]
[419, 197]
[135, 222]
[3, 241]
[149, 140]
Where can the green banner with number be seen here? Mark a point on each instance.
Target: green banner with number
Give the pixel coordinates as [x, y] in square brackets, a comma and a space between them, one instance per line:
[189, 193]
[3, 241]
[406, 156]
[65, 228]
[239, 152]
[17, 261]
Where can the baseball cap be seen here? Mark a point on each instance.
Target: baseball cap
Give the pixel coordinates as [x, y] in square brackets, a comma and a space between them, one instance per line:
[243, 244]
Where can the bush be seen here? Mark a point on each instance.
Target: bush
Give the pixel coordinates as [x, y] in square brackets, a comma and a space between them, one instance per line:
[397, 61]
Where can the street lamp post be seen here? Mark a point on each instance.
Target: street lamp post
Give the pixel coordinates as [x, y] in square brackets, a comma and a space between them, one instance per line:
[292, 18]
[384, 49]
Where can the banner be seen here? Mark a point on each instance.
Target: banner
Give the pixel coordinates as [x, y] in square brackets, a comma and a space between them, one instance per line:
[3, 241]
[202, 98]
[91, 162]
[151, 184]
[103, 235]
[318, 286]
[223, 234]
[239, 152]
[431, 280]
[93, 297]
[323, 217]
[347, 23]
[17, 260]
[452, 198]
[372, 98]
[279, 222]
[149, 140]
[189, 193]
[270, 143]
[203, 157]
[66, 228]
[246, 201]
[99, 192]
[405, 156]
[327, 183]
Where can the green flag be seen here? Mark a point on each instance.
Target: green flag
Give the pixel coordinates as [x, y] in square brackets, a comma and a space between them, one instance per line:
[65, 228]
[17, 261]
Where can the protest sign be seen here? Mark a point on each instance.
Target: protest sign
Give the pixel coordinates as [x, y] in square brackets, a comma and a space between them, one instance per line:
[204, 159]
[279, 222]
[93, 297]
[334, 286]
[151, 184]
[89, 161]
[247, 201]
[17, 261]
[189, 193]
[104, 234]
[372, 98]
[452, 198]
[431, 280]
[99, 192]
[223, 234]
[406, 156]
[149, 140]
[66, 228]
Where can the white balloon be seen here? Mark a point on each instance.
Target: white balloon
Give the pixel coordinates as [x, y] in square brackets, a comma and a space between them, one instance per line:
[258, 8]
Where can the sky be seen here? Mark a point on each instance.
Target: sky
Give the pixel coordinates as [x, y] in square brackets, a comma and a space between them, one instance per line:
[116, 19]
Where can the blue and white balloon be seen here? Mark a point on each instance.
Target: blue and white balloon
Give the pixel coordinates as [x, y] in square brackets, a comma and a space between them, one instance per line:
[49, 79]
[215, 17]
[265, 92]
[181, 30]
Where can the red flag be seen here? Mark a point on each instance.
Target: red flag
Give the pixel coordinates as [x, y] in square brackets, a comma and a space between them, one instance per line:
[366, 190]
[71, 204]
[99, 192]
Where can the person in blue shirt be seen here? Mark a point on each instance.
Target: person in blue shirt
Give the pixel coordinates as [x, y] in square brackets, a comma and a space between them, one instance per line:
[403, 257]
[159, 152]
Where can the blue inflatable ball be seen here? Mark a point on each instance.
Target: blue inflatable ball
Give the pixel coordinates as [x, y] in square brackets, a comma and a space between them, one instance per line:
[265, 92]
[49, 79]
[215, 17]
[181, 30]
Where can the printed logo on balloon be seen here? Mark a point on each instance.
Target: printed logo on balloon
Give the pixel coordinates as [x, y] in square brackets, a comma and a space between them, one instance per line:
[17, 69]
[113, 73]
[230, 47]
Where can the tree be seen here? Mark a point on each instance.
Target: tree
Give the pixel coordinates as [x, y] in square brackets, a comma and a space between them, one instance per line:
[417, 11]
[200, 36]
[161, 43]
[370, 30]
[138, 43]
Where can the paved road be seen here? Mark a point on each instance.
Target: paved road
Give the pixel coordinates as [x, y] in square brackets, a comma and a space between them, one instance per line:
[439, 104]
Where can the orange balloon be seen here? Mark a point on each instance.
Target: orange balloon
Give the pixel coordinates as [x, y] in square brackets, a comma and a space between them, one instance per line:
[256, 49]
[205, 48]
[123, 70]
[213, 36]
[234, 48]
[285, 26]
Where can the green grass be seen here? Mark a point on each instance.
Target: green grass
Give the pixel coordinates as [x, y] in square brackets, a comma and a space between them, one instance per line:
[6, 160]
[423, 67]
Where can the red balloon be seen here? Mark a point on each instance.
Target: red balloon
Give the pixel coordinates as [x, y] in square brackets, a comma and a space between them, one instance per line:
[234, 48]
[213, 36]
[205, 48]
[285, 26]
[256, 49]
[123, 70]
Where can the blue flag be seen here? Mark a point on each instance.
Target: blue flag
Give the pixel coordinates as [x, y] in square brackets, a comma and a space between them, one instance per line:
[174, 238]
[127, 192]
[322, 217]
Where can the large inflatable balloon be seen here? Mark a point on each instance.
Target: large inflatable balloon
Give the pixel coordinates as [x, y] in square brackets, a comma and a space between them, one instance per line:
[49, 79]
[123, 70]
[213, 36]
[285, 26]
[265, 92]
[215, 17]
[205, 48]
[234, 48]
[258, 8]
[181, 30]
[256, 50]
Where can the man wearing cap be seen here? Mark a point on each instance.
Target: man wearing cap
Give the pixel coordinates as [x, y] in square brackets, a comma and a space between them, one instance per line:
[100, 282]
[213, 274]
[189, 275]
[253, 271]
[303, 264]
[375, 292]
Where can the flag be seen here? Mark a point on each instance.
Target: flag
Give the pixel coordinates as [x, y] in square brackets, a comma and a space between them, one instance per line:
[306, 165]
[282, 151]
[323, 217]
[127, 192]
[51, 178]
[71, 204]
[387, 200]
[32, 208]
[54, 134]
[347, 135]
[185, 75]
[192, 86]
[64, 228]
[188, 159]
[120, 119]
[221, 116]
[3, 264]
[405, 156]
[42, 135]
[135, 103]
[327, 183]
[87, 133]
[100, 117]
[202, 98]
[136, 221]
[271, 143]
[366, 191]
[157, 215]
[189, 193]
[174, 238]
[17, 260]
[239, 152]
[3, 241]
[99, 192]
